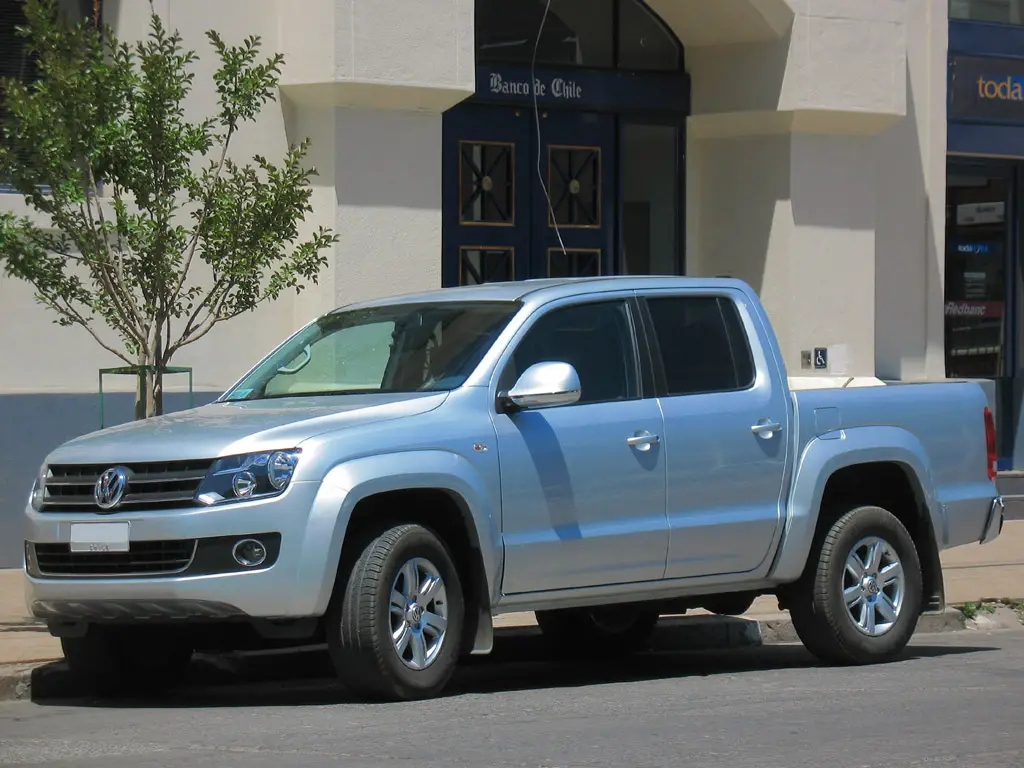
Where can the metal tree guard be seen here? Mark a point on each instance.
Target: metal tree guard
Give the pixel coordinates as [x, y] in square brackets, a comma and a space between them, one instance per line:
[137, 370]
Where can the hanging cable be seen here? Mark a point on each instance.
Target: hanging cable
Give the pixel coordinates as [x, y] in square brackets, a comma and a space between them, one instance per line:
[536, 116]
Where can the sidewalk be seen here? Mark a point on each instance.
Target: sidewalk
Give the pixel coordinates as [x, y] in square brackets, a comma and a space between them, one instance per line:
[973, 574]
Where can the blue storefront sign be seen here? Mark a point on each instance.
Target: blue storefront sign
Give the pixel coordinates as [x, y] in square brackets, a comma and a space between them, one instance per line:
[986, 88]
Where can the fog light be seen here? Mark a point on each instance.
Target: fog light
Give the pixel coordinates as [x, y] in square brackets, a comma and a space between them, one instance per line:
[243, 484]
[249, 553]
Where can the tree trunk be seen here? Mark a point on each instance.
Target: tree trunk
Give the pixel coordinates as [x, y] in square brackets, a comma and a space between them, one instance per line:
[149, 394]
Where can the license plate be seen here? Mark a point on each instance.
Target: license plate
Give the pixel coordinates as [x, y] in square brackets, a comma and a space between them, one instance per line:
[99, 537]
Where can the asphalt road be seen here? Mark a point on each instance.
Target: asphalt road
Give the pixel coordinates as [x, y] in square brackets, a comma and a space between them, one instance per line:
[956, 700]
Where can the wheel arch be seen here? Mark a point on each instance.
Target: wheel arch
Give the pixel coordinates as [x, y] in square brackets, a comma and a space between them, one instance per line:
[438, 490]
[885, 467]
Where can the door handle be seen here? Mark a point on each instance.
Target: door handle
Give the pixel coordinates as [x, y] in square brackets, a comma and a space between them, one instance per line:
[642, 441]
[766, 429]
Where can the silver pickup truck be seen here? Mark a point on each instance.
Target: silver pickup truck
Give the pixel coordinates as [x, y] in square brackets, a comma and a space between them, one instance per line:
[599, 451]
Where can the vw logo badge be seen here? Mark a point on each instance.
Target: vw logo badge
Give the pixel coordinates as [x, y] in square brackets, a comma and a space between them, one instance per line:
[110, 488]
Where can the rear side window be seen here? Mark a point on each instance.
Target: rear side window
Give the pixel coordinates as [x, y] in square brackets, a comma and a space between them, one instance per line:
[703, 344]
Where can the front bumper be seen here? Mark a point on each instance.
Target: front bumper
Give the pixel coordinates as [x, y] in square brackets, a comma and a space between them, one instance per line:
[994, 521]
[294, 583]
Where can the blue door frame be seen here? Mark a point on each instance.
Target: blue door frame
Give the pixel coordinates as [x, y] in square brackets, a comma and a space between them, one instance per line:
[568, 116]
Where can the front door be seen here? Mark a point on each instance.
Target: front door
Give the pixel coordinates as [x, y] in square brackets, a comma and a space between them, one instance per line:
[583, 501]
[523, 203]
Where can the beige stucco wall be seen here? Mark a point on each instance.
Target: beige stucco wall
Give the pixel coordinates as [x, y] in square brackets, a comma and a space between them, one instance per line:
[815, 166]
[367, 81]
[816, 172]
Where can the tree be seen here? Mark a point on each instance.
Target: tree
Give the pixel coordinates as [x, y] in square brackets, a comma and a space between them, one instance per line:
[132, 197]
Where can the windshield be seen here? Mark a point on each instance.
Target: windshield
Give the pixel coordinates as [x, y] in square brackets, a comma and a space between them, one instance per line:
[401, 348]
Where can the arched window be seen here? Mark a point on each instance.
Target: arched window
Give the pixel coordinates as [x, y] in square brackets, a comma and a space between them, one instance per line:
[597, 34]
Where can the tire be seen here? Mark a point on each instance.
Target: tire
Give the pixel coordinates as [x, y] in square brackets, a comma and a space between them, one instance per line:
[864, 633]
[127, 660]
[360, 620]
[597, 633]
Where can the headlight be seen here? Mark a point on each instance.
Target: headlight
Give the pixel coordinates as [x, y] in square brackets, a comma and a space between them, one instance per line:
[248, 477]
[38, 495]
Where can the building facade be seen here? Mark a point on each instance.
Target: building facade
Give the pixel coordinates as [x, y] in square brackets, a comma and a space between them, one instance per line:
[797, 144]
[984, 309]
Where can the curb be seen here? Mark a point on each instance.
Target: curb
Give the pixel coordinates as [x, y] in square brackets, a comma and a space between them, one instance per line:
[16, 683]
[52, 679]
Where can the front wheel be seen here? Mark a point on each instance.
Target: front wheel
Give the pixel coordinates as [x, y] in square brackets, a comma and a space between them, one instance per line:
[394, 633]
[860, 603]
[597, 633]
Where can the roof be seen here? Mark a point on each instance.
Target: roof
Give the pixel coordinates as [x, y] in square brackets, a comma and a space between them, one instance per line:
[550, 289]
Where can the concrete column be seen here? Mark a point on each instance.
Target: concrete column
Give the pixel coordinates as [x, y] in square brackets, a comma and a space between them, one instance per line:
[793, 215]
[388, 181]
[911, 195]
[832, 253]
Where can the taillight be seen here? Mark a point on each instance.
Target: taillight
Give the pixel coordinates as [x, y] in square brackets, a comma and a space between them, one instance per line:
[990, 443]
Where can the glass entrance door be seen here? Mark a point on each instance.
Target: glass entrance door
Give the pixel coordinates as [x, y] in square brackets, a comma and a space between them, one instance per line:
[978, 244]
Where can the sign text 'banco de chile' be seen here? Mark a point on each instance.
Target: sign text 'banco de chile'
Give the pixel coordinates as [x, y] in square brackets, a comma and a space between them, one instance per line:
[585, 89]
[556, 87]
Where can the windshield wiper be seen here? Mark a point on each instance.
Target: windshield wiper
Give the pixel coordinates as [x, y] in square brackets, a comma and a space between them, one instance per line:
[333, 392]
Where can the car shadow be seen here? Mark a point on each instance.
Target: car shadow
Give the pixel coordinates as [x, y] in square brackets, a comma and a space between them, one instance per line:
[520, 661]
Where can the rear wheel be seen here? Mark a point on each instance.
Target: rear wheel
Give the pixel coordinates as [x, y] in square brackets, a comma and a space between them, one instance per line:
[395, 631]
[597, 633]
[121, 660]
[860, 602]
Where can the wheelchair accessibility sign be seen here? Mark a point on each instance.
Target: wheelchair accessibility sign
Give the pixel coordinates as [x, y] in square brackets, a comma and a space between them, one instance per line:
[821, 358]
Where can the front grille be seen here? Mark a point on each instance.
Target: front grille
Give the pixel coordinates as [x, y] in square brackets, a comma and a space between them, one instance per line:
[144, 558]
[165, 485]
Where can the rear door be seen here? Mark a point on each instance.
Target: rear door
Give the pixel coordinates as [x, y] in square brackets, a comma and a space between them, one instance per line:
[726, 424]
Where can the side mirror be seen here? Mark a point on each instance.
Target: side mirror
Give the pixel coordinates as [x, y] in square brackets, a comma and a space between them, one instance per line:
[544, 385]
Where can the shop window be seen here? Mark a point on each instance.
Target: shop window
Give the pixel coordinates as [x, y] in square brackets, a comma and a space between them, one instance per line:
[486, 265]
[574, 181]
[975, 306]
[17, 62]
[993, 11]
[644, 43]
[14, 56]
[599, 34]
[487, 183]
[574, 263]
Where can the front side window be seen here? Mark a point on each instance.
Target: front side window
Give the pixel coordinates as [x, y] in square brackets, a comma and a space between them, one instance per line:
[703, 345]
[596, 339]
[401, 348]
